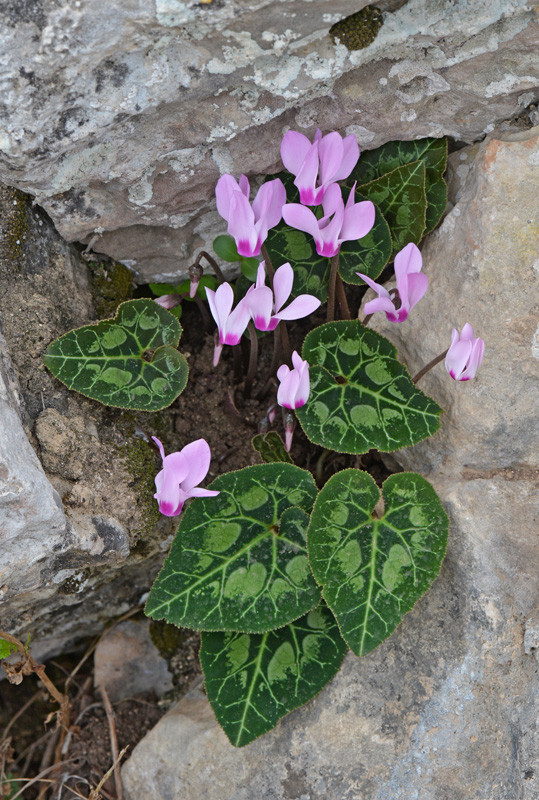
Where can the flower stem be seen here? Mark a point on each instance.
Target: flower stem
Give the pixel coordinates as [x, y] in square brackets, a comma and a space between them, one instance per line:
[341, 297]
[366, 319]
[285, 341]
[429, 366]
[267, 260]
[331, 287]
[253, 361]
[213, 264]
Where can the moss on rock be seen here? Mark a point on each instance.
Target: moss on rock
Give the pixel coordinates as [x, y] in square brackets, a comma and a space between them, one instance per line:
[358, 30]
[112, 283]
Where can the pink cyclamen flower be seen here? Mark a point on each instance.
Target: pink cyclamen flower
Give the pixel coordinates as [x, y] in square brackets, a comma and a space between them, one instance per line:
[168, 301]
[411, 286]
[465, 354]
[231, 324]
[249, 224]
[182, 472]
[339, 224]
[328, 159]
[266, 306]
[294, 388]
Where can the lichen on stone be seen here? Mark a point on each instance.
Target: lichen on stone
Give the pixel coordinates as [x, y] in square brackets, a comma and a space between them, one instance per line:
[358, 30]
[112, 283]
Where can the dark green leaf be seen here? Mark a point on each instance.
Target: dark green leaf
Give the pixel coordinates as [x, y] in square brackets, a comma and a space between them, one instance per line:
[249, 267]
[374, 567]
[361, 396]
[225, 247]
[252, 680]
[433, 152]
[401, 197]
[107, 361]
[239, 559]
[368, 255]
[271, 447]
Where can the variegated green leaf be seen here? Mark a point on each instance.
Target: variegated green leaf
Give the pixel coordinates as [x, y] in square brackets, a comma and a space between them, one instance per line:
[373, 566]
[252, 680]
[239, 560]
[129, 361]
[361, 396]
[433, 152]
[401, 197]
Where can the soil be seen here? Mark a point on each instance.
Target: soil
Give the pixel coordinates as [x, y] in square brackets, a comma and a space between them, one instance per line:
[29, 745]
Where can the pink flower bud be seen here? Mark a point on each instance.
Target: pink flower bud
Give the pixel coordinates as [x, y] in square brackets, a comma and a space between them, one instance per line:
[465, 354]
[411, 286]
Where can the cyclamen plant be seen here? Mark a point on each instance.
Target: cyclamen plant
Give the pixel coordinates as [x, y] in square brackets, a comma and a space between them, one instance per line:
[282, 575]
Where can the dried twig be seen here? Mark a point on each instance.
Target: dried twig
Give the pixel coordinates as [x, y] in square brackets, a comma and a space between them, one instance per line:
[113, 741]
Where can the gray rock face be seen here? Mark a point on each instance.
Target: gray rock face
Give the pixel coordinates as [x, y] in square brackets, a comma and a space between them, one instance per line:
[70, 541]
[445, 709]
[120, 123]
[127, 663]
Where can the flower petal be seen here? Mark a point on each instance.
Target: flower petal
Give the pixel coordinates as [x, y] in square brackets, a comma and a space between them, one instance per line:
[407, 261]
[358, 221]
[349, 159]
[297, 216]
[417, 286]
[160, 446]
[476, 357]
[286, 393]
[259, 302]
[268, 203]
[303, 391]
[294, 148]
[198, 492]
[225, 188]
[245, 188]
[282, 284]
[379, 304]
[306, 177]
[380, 290]
[283, 371]
[236, 323]
[223, 298]
[457, 358]
[301, 307]
[198, 456]
[467, 332]
[241, 224]
[330, 151]
[332, 200]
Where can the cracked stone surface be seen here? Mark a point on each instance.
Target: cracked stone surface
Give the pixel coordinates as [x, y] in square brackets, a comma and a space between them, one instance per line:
[121, 123]
[73, 552]
[446, 708]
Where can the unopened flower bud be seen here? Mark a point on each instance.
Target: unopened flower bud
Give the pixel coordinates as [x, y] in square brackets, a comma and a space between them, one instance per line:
[195, 274]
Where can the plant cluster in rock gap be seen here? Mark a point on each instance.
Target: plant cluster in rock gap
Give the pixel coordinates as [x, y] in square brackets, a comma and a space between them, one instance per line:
[282, 576]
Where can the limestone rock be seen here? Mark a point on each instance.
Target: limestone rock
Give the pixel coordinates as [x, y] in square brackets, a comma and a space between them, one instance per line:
[127, 663]
[446, 707]
[74, 551]
[480, 264]
[120, 123]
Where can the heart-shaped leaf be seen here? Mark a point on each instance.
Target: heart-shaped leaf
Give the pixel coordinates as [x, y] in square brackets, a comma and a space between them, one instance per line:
[401, 197]
[361, 396]
[373, 567]
[433, 152]
[368, 255]
[252, 680]
[239, 560]
[271, 447]
[129, 361]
